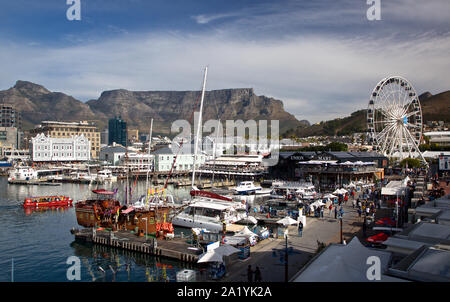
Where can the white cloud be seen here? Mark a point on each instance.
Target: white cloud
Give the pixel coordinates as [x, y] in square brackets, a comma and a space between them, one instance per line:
[318, 76]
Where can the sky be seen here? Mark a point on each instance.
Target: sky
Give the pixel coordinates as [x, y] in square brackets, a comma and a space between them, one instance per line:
[321, 58]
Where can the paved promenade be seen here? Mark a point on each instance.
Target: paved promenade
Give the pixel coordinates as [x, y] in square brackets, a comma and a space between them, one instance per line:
[268, 255]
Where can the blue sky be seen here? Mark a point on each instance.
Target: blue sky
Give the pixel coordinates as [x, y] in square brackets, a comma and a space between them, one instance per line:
[321, 58]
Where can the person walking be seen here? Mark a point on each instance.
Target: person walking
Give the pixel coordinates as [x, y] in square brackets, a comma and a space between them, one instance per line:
[321, 212]
[249, 274]
[257, 275]
[335, 212]
[300, 229]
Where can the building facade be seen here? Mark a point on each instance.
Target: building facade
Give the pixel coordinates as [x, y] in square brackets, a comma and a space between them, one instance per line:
[185, 160]
[68, 129]
[52, 149]
[9, 138]
[440, 138]
[117, 131]
[112, 154]
[10, 117]
[137, 161]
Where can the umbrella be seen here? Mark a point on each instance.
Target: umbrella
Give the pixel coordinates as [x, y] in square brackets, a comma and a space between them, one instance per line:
[378, 238]
[331, 196]
[211, 256]
[226, 250]
[287, 221]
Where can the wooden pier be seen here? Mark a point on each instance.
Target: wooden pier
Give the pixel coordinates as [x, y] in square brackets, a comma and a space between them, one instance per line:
[176, 248]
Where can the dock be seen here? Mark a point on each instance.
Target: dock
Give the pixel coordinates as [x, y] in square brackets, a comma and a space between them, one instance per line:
[33, 182]
[176, 248]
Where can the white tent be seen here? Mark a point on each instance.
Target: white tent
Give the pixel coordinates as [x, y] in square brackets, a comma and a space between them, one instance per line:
[246, 233]
[226, 250]
[287, 221]
[345, 263]
[211, 256]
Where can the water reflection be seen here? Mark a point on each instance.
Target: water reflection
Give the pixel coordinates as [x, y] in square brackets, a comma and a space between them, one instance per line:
[102, 263]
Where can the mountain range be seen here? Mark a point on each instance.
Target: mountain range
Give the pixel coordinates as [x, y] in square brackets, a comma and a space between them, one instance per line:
[36, 103]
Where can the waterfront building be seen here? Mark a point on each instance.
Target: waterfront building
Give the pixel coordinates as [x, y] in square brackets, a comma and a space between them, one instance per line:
[237, 145]
[57, 149]
[440, 138]
[137, 161]
[117, 131]
[112, 154]
[69, 129]
[10, 117]
[330, 168]
[185, 159]
[243, 165]
[14, 155]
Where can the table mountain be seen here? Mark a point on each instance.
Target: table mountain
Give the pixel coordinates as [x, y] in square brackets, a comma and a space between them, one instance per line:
[137, 107]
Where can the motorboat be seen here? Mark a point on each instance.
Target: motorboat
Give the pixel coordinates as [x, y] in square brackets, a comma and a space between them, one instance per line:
[47, 201]
[246, 187]
[22, 173]
[209, 214]
[106, 175]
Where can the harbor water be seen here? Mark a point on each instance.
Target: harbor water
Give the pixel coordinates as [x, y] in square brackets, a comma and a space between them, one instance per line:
[35, 246]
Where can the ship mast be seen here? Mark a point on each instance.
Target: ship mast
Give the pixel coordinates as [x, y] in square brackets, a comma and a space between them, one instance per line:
[149, 149]
[198, 128]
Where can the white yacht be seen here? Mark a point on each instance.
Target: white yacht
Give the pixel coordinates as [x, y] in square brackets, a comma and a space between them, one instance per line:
[106, 175]
[210, 215]
[292, 190]
[246, 187]
[22, 173]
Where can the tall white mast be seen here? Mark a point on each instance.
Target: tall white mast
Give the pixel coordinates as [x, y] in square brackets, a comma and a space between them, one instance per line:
[149, 150]
[198, 126]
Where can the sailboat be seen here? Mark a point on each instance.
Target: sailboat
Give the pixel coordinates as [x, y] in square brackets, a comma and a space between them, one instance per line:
[207, 209]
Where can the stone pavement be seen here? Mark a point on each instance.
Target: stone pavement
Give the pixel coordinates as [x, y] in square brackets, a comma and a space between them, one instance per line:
[268, 255]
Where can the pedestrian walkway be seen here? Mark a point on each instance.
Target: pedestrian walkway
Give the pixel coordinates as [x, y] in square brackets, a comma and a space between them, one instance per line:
[268, 255]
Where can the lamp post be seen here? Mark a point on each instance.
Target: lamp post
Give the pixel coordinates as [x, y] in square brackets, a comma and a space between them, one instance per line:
[286, 275]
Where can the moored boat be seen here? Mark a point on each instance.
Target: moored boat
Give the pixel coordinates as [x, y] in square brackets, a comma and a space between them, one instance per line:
[47, 201]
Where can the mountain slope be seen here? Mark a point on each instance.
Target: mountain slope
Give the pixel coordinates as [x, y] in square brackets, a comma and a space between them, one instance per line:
[434, 108]
[37, 104]
[137, 107]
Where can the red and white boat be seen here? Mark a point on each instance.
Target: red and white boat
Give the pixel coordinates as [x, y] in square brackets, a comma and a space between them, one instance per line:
[47, 201]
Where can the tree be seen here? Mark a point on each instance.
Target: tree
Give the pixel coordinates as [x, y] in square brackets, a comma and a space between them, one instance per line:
[412, 163]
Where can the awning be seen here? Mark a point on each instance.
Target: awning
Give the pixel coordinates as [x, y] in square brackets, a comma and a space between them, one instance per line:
[130, 209]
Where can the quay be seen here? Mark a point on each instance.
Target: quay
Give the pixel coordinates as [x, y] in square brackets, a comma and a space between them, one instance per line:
[33, 182]
[176, 248]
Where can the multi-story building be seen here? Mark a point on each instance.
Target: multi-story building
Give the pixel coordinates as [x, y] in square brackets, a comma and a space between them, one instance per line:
[440, 138]
[117, 131]
[68, 129]
[56, 149]
[9, 137]
[185, 159]
[113, 154]
[137, 161]
[10, 117]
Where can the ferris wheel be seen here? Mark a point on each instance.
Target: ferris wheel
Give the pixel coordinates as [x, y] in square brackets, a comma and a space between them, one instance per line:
[394, 119]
